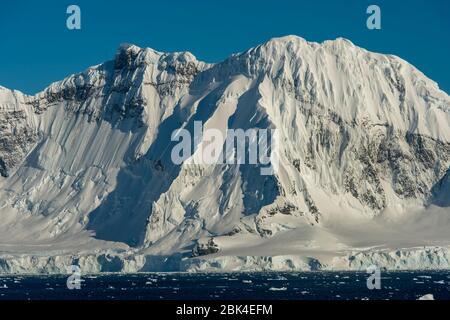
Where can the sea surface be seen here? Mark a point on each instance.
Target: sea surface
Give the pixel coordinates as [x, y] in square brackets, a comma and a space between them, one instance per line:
[229, 286]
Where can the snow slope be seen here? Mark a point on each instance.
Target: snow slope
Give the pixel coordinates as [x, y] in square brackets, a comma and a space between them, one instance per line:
[86, 175]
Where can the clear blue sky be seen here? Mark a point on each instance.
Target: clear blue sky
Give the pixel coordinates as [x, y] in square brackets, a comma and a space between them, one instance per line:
[36, 48]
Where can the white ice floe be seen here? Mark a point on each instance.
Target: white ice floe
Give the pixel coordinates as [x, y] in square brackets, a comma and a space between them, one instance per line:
[427, 297]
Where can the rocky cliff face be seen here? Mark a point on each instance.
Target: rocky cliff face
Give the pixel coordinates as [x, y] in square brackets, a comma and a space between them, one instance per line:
[17, 133]
[87, 161]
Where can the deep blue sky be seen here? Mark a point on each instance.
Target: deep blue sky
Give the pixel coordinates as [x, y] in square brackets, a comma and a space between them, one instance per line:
[36, 48]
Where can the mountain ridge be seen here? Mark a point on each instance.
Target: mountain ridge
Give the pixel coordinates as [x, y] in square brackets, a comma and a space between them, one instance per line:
[364, 136]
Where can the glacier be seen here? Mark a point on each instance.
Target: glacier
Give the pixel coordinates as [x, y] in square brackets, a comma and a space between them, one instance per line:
[86, 175]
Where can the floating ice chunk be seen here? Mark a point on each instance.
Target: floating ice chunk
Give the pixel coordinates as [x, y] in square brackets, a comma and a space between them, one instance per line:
[278, 289]
[427, 297]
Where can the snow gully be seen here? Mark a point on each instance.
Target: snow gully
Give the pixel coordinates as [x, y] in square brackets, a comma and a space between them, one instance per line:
[237, 146]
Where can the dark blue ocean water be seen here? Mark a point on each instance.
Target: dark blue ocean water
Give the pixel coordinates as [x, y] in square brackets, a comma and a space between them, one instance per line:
[258, 286]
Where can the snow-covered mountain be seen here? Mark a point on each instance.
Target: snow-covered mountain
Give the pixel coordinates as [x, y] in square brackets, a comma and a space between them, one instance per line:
[363, 177]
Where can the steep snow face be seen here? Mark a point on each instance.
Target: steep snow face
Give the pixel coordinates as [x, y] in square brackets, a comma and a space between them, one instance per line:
[72, 139]
[361, 133]
[362, 136]
[363, 123]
